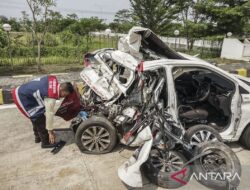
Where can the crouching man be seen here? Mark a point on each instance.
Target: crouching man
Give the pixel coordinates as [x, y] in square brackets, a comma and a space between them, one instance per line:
[36, 100]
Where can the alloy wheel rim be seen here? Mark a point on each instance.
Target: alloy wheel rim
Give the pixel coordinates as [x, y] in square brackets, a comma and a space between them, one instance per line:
[96, 138]
[202, 136]
[172, 164]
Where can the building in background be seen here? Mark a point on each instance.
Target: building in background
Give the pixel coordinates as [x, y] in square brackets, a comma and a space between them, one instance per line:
[233, 48]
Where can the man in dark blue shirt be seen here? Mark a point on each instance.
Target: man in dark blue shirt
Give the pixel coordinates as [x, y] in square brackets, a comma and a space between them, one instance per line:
[36, 100]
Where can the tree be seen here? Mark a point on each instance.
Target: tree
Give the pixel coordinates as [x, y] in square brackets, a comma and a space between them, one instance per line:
[154, 14]
[123, 21]
[72, 16]
[40, 10]
[123, 15]
[69, 20]
[25, 22]
[227, 15]
[247, 29]
[202, 18]
[247, 19]
[86, 25]
[3, 38]
[55, 22]
[195, 24]
[15, 25]
[3, 19]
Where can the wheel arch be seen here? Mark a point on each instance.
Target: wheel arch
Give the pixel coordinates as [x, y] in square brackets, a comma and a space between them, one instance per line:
[242, 127]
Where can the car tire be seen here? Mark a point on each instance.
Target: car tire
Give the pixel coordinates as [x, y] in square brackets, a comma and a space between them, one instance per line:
[165, 179]
[231, 166]
[202, 133]
[96, 135]
[245, 138]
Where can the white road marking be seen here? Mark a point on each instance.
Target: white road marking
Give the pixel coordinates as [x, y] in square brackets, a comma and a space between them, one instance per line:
[21, 76]
[59, 74]
[7, 106]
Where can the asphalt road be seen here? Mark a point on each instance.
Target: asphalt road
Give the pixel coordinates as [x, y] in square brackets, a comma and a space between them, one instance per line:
[24, 165]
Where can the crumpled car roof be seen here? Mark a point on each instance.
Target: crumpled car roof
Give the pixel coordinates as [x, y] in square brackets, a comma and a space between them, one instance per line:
[143, 37]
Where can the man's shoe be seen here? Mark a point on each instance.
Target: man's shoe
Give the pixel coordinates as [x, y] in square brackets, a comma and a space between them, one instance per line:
[47, 145]
[37, 140]
[58, 147]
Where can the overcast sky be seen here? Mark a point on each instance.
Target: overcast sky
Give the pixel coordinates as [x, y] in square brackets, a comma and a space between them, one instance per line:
[104, 9]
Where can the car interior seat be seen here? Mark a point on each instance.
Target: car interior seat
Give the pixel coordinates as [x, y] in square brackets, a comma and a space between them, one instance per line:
[191, 114]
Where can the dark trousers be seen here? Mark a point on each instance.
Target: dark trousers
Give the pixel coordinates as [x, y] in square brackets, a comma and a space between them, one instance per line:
[39, 128]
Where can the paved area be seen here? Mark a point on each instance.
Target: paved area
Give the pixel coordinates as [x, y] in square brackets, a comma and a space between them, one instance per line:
[233, 66]
[25, 166]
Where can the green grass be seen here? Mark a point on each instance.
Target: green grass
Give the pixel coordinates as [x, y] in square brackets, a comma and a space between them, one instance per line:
[23, 61]
[49, 65]
[63, 53]
[32, 69]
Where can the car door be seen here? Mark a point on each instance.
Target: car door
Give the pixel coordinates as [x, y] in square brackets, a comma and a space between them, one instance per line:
[231, 129]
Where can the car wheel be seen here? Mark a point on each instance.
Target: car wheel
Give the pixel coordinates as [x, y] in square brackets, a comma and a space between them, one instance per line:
[201, 133]
[162, 171]
[245, 138]
[96, 135]
[217, 165]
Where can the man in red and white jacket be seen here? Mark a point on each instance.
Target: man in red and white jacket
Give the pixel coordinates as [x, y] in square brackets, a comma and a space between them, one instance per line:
[36, 100]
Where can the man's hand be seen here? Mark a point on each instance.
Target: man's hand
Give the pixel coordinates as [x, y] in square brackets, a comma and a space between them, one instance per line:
[52, 137]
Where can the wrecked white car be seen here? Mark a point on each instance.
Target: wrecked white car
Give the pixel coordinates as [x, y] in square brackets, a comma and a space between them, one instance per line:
[119, 85]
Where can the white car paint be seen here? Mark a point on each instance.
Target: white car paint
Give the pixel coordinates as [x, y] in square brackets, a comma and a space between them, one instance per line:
[129, 55]
[106, 85]
[240, 106]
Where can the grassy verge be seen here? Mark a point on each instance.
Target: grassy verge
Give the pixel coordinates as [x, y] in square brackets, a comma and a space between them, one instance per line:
[49, 65]
[23, 61]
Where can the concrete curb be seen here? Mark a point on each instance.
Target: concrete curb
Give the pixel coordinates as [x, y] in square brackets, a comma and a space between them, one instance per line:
[242, 72]
[21, 76]
[5, 95]
[1, 96]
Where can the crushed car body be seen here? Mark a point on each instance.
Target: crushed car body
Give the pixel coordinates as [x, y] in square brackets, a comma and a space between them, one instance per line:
[197, 92]
[166, 103]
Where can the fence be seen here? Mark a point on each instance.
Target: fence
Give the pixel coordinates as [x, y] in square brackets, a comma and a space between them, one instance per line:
[24, 53]
[62, 53]
[205, 48]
